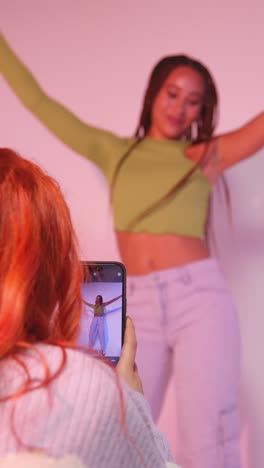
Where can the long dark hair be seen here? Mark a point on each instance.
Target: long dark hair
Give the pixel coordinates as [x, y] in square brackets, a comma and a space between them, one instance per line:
[100, 297]
[206, 125]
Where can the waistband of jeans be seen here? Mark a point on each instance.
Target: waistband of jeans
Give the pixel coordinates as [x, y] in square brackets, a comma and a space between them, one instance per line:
[204, 266]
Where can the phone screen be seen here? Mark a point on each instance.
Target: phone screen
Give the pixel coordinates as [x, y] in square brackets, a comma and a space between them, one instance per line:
[103, 313]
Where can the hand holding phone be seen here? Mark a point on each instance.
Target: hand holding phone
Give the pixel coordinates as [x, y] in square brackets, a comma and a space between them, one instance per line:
[126, 366]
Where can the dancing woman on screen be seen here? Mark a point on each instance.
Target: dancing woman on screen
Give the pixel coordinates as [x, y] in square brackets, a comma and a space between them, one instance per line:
[161, 181]
[97, 328]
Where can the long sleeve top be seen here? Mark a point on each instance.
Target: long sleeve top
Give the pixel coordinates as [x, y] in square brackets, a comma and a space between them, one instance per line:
[146, 178]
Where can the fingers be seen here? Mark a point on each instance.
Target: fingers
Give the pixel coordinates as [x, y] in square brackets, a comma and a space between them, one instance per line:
[129, 349]
[126, 366]
[128, 354]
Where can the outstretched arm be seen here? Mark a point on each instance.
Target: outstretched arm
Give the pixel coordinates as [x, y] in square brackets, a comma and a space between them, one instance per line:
[117, 309]
[112, 300]
[90, 305]
[88, 141]
[230, 148]
[240, 144]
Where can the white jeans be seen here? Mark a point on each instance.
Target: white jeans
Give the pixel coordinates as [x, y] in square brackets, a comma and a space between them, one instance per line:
[186, 324]
[97, 329]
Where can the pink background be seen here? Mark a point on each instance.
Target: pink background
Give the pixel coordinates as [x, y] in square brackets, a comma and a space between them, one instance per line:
[95, 57]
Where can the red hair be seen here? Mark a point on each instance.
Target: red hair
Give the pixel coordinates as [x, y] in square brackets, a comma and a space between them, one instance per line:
[40, 272]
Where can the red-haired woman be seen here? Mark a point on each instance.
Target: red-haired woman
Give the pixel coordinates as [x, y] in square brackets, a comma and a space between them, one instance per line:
[54, 398]
[161, 181]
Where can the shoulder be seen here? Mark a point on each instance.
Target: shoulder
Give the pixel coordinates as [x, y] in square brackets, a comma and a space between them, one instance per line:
[84, 386]
[107, 137]
[80, 369]
[89, 404]
[80, 365]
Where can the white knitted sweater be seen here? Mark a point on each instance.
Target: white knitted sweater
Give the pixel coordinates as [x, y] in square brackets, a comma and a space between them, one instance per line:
[80, 415]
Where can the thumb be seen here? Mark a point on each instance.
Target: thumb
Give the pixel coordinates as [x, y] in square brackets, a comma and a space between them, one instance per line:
[128, 354]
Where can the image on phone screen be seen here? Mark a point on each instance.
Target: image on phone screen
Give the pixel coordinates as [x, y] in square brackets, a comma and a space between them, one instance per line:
[103, 308]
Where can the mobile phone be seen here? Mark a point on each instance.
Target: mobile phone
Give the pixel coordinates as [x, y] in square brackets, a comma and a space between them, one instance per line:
[102, 324]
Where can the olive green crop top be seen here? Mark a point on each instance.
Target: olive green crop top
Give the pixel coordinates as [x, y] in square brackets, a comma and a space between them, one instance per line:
[147, 175]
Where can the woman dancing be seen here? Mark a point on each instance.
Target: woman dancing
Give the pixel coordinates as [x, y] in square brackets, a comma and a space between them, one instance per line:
[161, 180]
[97, 328]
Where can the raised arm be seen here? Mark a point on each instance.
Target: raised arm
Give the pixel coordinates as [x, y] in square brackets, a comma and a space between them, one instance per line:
[112, 300]
[94, 144]
[240, 144]
[232, 147]
[88, 304]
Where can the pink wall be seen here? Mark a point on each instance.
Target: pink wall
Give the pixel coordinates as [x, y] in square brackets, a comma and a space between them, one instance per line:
[95, 57]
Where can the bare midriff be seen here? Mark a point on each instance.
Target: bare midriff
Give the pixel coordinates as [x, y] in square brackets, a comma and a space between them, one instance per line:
[143, 253]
